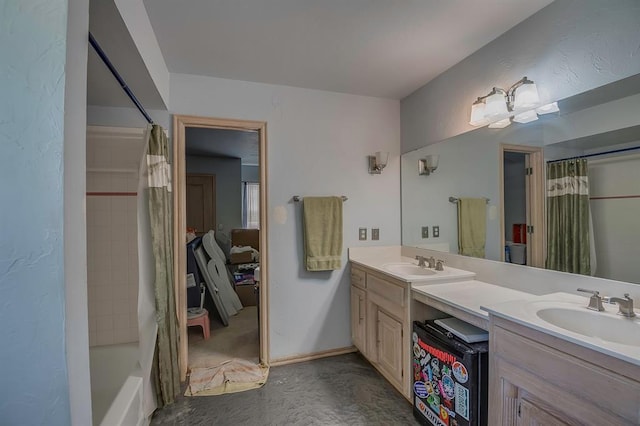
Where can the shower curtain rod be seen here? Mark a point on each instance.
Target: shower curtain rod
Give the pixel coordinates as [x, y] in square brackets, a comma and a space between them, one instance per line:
[118, 77]
[614, 151]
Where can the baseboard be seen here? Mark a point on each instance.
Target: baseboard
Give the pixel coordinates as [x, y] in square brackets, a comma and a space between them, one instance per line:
[315, 355]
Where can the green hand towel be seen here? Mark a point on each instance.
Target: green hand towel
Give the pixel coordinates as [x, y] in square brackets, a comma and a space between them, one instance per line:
[472, 226]
[322, 233]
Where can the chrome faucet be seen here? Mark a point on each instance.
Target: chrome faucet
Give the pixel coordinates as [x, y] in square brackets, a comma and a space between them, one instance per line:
[432, 262]
[421, 261]
[595, 302]
[625, 306]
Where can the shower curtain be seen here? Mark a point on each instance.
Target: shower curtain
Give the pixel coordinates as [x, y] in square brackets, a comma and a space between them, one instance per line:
[568, 235]
[156, 307]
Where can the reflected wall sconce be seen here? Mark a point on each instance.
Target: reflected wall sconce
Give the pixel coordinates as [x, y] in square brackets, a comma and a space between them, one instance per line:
[428, 165]
[378, 162]
[520, 104]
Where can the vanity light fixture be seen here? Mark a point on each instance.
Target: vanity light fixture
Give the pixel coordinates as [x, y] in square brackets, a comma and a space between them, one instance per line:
[378, 162]
[520, 103]
[428, 165]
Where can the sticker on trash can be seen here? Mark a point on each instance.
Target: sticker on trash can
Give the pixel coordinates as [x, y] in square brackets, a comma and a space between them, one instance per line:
[420, 389]
[462, 401]
[460, 372]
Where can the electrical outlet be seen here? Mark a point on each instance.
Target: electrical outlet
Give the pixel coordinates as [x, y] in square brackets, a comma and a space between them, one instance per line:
[436, 231]
[375, 234]
[362, 234]
[425, 232]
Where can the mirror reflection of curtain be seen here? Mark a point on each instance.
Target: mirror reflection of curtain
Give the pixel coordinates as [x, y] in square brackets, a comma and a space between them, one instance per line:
[251, 205]
[568, 222]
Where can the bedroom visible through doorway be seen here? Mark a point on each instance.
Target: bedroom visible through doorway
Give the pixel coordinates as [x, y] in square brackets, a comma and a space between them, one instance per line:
[220, 219]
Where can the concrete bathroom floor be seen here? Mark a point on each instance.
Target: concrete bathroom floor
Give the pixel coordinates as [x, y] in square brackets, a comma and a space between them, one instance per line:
[341, 390]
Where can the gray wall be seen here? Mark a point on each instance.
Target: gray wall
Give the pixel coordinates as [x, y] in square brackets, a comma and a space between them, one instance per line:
[35, 385]
[250, 174]
[228, 188]
[567, 48]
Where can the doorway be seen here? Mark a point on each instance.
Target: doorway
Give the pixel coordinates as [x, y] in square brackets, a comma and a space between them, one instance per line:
[183, 126]
[522, 231]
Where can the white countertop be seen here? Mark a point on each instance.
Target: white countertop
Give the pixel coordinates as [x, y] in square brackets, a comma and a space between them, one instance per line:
[470, 296]
[377, 259]
[525, 313]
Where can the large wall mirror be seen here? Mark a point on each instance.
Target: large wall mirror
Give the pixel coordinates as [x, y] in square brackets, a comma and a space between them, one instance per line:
[486, 163]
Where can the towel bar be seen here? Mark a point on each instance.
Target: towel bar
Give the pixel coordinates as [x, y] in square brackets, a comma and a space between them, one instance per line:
[455, 200]
[298, 198]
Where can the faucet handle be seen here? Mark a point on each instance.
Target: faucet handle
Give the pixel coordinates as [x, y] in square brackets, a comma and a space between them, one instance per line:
[595, 302]
[439, 265]
[421, 260]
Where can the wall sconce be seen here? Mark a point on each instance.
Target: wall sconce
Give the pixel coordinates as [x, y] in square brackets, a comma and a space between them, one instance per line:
[428, 165]
[378, 162]
[520, 104]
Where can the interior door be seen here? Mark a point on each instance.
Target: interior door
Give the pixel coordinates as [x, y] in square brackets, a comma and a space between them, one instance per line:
[201, 202]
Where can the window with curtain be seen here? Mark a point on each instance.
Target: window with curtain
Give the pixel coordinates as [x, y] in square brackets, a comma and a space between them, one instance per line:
[251, 205]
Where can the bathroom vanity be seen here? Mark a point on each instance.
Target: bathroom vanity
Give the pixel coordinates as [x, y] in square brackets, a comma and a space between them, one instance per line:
[551, 361]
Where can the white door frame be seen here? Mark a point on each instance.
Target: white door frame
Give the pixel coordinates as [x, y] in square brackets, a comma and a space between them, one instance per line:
[180, 123]
[536, 247]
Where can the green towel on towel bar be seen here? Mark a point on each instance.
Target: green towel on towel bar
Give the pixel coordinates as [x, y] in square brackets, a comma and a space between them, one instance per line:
[472, 226]
[322, 233]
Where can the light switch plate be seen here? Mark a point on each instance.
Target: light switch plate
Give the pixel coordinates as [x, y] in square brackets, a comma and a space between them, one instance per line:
[362, 234]
[375, 234]
[425, 232]
[436, 231]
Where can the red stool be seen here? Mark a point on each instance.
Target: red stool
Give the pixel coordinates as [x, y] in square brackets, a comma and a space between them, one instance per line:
[199, 317]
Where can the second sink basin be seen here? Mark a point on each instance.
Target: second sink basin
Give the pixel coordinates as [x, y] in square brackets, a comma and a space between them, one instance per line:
[601, 325]
[407, 269]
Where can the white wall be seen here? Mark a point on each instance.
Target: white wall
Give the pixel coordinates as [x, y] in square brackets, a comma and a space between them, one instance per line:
[75, 237]
[567, 48]
[615, 221]
[34, 368]
[250, 173]
[317, 143]
[228, 188]
[125, 117]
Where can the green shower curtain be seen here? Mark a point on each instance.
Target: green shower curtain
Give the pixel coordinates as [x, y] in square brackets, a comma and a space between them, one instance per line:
[166, 375]
[568, 244]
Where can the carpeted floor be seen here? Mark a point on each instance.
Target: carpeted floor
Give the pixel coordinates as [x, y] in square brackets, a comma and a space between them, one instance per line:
[341, 390]
[238, 340]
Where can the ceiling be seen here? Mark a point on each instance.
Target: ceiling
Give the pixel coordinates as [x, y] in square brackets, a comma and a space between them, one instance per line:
[223, 143]
[368, 47]
[107, 26]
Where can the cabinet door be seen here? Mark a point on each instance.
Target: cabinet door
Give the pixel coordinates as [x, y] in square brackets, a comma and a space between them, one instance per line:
[532, 415]
[390, 345]
[358, 319]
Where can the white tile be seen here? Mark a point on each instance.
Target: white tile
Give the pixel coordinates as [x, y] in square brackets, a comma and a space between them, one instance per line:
[104, 323]
[121, 336]
[104, 308]
[120, 306]
[133, 334]
[105, 337]
[121, 322]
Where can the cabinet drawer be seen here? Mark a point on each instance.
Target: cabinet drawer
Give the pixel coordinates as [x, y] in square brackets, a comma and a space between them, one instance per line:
[388, 290]
[358, 278]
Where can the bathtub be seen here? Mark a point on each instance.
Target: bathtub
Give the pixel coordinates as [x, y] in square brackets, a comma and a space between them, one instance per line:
[116, 385]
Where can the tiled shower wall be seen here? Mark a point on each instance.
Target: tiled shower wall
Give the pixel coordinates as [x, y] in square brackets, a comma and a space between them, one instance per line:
[112, 258]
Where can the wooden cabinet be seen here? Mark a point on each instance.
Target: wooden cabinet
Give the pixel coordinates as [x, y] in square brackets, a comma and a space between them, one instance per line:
[390, 345]
[358, 316]
[380, 326]
[537, 379]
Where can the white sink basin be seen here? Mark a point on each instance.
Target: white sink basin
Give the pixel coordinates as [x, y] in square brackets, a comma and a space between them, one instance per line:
[407, 269]
[606, 326]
